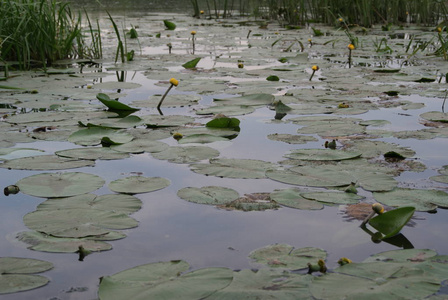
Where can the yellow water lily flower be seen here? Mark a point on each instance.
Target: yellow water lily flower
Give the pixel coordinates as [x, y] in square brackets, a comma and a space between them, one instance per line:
[378, 208]
[351, 46]
[315, 68]
[174, 81]
[341, 20]
[193, 32]
[202, 12]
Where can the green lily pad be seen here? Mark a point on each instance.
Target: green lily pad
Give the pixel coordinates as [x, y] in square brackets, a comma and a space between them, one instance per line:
[164, 280]
[125, 204]
[77, 222]
[252, 99]
[286, 256]
[234, 168]
[371, 149]
[15, 274]
[53, 185]
[192, 63]
[293, 198]
[141, 145]
[138, 184]
[92, 153]
[169, 25]
[391, 222]
[333, 197]
[187, 154]
[12, 153]
[334, 176]
[45, 162]
[422, 200]
[174, 100]
[213, 195]
[435, 116]
[440, 178]
[223, 122]
[114, 104]
[42, 242]
[266, 284]
[405, 255]
[94, 135]
[154, 121]
[202, 139]
[118, 123]
[228, 110]
[272, 78]
[292, 138]
[322, 154]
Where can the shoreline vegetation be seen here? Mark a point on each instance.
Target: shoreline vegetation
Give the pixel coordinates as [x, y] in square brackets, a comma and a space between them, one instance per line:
[40, 32]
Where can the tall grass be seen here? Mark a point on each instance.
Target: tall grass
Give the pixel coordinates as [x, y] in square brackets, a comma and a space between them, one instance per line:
[360, 12]
[41, 32]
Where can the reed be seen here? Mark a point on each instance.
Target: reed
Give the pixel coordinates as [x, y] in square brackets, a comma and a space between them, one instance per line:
[39, 32]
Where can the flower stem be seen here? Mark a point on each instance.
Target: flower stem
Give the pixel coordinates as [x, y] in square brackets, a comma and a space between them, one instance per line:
[163, 97]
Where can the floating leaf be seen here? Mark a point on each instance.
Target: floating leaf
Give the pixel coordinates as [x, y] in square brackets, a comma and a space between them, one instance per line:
[228, 110]
[15, 272]
[202, 139]
[119, 123]
[252, 99]
[154, 121]
[187, 154]
[92, 153]
[333, 197]
[138, 184]
[234, 168]
[223, 122]
[141, 145]
[169, 25]
[114, 104]
[192, 63]
[94, 135]
[272, 78]
[293, 198]
[391, 222]
[126, 204]
[286, 256]
[251, 202]
[42, 242]
[213, 195]
[12, 153]
[422, 200]
[77, 222]
[164, 280]
[322, 154]
[53, 185]
[292, 138]
[266, 284]
[46, 162]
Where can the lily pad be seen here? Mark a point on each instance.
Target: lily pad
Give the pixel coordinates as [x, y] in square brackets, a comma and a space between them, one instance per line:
[53, 185]
[118, 123]
[422, 200]
[77, 222]
[213, 195]
[251, 202]
[15, 274]
[292, 138]
[94, 135]
[435, 116]
[141, 145]
[164, 280]
[286, 256]
[12, 153]
[114, 104]
[154, 121]
[138, 184]
[228, 110]
[391, 222]
[42, 242]
[187, 154]
[234, 168]
[293, 198]
[223, 122]
[92, 153]
[125, 204]
[266, 284]
[333, 197]
[252, 99]
[46, 162]
[322, 154]
[202, 139]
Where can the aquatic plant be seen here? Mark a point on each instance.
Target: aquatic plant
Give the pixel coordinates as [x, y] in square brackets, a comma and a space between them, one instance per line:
[40, 32]
[173, 82]
[314, 69]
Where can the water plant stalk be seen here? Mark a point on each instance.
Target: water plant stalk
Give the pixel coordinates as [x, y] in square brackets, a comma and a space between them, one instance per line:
[174, 82]
[314, 68]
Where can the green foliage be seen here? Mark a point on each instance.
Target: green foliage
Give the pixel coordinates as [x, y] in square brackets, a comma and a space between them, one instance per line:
[42, 32]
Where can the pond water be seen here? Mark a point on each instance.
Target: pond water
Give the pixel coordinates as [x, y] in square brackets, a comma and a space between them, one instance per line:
[171, 228]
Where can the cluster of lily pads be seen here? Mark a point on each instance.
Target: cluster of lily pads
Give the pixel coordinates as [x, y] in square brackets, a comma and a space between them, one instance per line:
[98, 125]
